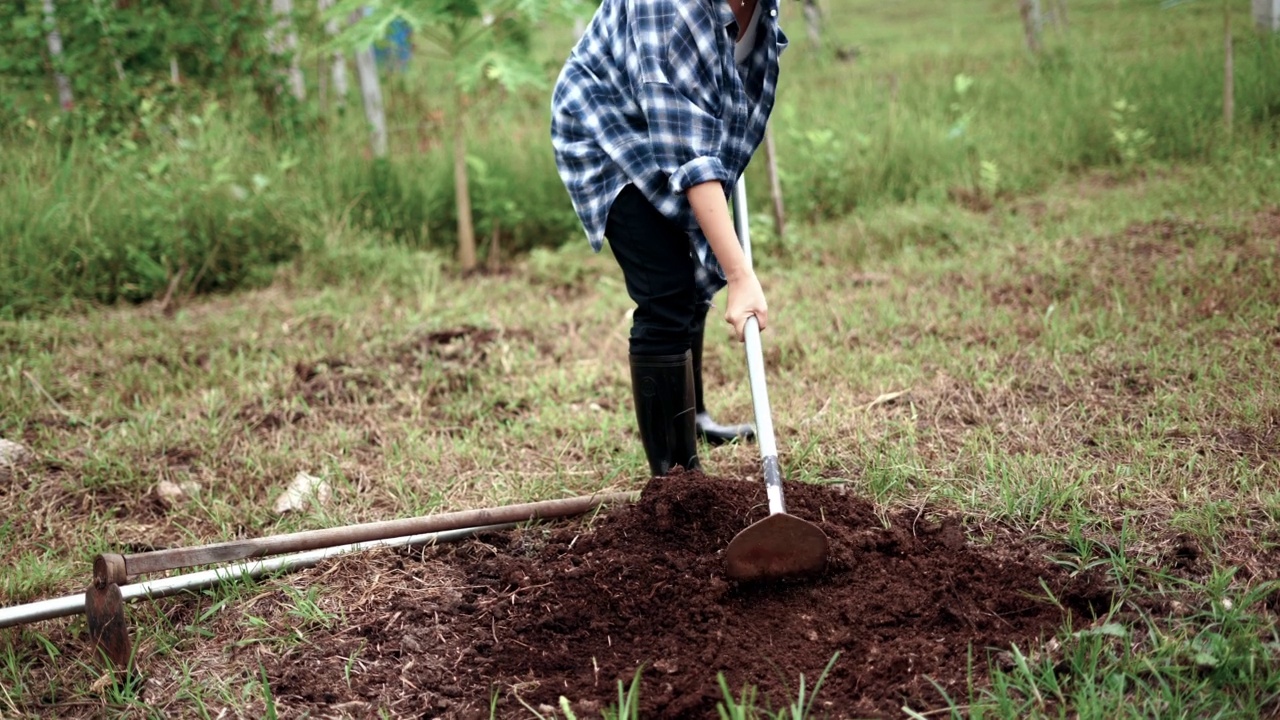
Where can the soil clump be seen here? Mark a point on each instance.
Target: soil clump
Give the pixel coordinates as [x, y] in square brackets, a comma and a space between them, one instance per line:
[536, 614]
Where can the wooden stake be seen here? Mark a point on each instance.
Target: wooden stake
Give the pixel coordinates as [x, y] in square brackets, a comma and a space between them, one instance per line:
[813, 22]
[1030, 11]
[466, 232]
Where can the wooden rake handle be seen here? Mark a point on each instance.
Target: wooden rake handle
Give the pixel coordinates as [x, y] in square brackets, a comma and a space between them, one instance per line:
[111, 568]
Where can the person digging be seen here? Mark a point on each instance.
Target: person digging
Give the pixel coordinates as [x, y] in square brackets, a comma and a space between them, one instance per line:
[654, 117]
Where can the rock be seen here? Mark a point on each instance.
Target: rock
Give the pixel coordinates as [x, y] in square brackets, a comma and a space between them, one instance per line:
[303, 490]
[169, 493]
[666, 666]
[13, 455]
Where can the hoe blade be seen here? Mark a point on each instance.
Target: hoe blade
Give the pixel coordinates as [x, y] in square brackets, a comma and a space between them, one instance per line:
[778, 546]
[104, 608]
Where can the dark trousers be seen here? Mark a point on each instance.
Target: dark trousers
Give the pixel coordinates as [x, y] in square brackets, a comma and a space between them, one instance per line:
[660, 271]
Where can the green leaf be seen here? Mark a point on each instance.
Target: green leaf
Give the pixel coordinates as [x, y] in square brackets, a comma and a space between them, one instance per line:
[567, 709]
[477, 166]
[1204, 659]
[1109, 630]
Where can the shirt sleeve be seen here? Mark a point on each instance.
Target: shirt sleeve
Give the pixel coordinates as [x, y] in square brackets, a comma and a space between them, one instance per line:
[679, 88]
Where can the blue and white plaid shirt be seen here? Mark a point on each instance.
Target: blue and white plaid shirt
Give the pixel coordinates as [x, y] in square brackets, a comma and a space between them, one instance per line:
[651, 95]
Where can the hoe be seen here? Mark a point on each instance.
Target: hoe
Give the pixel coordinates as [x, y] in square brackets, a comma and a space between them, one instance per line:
[780, 545]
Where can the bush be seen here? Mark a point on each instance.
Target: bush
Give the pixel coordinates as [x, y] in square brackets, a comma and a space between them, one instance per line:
[112, 218]
[939, 125]
[411, 200]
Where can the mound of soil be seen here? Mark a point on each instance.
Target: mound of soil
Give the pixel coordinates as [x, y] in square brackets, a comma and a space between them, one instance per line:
[534, 615]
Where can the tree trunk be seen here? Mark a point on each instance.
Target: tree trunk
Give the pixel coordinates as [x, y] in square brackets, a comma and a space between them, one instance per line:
[338, 64]
[1063, 21]
[65, 99]
[371, 92]
[1030, 10]
[466, 232]
[283, 38]
[1266, 13]
[775, 184]
[338, 76]
[813, 22]
[1228, 71]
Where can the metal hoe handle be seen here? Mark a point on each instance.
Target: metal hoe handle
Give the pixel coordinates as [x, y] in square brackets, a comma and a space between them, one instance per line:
[755, 369]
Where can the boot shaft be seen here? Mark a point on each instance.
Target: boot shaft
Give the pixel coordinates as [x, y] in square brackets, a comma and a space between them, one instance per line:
[663, 390]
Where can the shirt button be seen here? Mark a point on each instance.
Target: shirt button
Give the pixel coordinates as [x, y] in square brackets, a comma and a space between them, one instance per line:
[773, 12]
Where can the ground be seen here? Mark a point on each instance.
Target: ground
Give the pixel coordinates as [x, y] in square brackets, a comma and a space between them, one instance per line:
[1043, 437]
[903, 613]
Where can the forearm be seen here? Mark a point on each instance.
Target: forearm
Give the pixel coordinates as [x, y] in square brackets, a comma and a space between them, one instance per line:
[712, 211]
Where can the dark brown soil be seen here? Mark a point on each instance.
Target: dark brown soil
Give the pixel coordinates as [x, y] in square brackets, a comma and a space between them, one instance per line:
[537, 614]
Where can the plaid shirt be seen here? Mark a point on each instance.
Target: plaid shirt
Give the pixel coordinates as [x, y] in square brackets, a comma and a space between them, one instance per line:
[651, 96]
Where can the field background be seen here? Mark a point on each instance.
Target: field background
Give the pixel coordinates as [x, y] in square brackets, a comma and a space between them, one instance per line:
[1062, 269]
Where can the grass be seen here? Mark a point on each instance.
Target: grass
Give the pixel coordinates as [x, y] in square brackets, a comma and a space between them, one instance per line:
[745, 707]
[1090, 357]
[1132, 422]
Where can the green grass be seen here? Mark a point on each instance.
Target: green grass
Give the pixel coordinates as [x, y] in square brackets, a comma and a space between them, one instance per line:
[1214, 661]
[744, 706]
[1093, 361]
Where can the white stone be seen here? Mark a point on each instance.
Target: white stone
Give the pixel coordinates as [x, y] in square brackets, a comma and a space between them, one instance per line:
[13, 455]
[303, 490]
[169, 493]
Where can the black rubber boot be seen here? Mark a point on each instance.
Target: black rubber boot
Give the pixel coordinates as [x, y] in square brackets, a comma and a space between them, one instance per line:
[710, 431]
[662, 386]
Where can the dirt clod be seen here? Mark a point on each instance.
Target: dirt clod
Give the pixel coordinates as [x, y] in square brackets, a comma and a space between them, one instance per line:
[643, 587]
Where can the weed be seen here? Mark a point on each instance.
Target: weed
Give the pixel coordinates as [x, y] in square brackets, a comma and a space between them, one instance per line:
[744, 707]
[268, 697]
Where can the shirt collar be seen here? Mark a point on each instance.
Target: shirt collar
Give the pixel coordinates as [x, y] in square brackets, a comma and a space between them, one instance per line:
[728, 19]
[725, 12]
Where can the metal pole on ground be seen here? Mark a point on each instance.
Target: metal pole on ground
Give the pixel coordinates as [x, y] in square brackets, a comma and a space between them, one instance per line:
[103, 602]
[69, 605]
